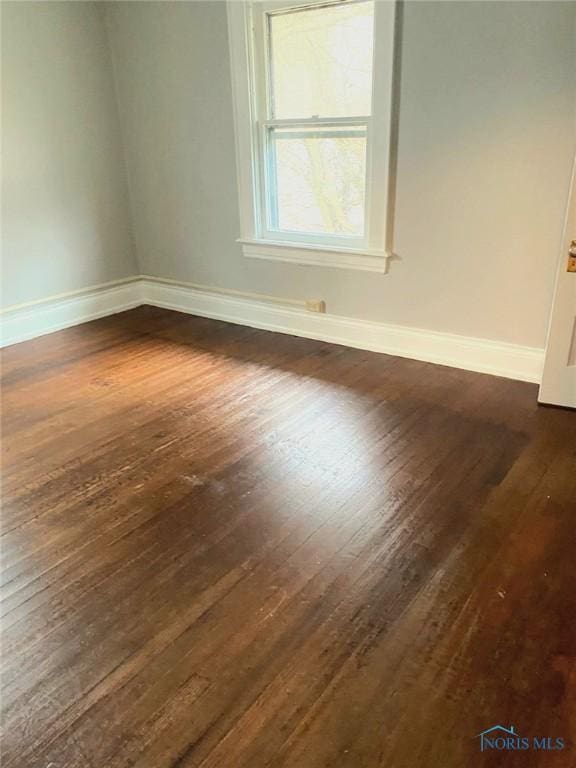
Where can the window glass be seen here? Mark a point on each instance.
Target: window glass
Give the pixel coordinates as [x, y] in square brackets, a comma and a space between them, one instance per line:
[321, 61]
[317, 179]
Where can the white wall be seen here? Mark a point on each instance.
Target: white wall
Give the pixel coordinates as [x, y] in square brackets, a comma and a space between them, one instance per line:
[487, 120]
[66, 222]
[486, 132]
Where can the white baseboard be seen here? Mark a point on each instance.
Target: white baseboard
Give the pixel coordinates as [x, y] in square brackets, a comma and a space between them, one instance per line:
[27, 321]
[484, 356]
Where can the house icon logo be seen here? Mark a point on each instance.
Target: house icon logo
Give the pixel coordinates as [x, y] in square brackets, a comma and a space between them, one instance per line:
[500, 737]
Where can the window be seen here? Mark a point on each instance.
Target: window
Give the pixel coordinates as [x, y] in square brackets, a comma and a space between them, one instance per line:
[313, 86]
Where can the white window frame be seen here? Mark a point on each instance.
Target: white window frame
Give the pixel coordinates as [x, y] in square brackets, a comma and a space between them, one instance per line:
[248, 60]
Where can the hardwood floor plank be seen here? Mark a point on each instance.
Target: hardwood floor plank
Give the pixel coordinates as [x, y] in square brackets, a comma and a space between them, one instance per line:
[226, 547]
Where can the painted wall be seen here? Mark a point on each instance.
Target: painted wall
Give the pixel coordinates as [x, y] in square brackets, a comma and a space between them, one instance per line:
[486, 133]
[66, 222]
[487, 130]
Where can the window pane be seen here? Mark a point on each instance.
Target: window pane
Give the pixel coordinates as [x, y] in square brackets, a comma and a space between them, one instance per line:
[317, 180]
[321, 61]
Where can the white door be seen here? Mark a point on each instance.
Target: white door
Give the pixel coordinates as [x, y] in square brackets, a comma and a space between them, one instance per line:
[559, 378]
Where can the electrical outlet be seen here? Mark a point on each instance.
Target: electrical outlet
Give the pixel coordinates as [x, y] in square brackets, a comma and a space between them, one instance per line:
[316, 305]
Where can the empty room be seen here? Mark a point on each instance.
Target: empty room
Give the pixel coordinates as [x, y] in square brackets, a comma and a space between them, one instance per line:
[288, 382]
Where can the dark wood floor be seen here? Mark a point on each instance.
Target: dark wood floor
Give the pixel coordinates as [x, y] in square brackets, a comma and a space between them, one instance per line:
[225, 548]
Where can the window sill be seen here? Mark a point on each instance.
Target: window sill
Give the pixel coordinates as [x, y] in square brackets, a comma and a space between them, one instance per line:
[364, 260]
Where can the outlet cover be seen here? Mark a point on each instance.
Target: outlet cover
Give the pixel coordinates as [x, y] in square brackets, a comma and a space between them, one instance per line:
[315, 305]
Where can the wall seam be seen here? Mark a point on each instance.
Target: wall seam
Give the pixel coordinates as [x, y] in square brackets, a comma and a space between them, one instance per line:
[105, 15]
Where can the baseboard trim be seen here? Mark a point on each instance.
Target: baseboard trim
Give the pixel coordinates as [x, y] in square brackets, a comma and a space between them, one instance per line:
[39, 318]
[481, 355]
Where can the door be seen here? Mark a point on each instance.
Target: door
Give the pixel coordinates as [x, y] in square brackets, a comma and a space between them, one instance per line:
[559, 378]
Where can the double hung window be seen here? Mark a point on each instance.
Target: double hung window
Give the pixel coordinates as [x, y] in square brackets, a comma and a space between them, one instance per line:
[313, 88]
